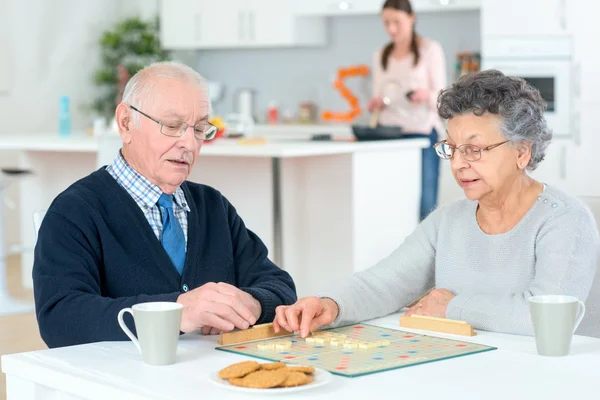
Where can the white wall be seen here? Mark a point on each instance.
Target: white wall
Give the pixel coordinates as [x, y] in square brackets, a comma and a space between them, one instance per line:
[49, 48]
[52, 50]
[286, 76]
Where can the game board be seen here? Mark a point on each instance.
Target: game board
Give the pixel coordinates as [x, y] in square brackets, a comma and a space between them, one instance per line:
[357, 350]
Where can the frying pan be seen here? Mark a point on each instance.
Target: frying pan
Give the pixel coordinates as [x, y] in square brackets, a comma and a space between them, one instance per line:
[380, 132]
[374, 131]
[393, 95]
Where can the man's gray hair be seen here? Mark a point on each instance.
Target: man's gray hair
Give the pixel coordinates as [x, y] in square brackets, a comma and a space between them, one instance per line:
[139, 89]
[520, 106]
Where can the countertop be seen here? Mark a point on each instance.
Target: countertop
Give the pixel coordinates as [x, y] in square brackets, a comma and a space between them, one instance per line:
[219, 147]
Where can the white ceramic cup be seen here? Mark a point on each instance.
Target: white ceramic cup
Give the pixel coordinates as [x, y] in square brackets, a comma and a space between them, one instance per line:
[157, 325]
[555, 319]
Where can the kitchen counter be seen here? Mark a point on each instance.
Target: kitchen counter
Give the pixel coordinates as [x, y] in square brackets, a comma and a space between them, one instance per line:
[219, 147]
[323, 208]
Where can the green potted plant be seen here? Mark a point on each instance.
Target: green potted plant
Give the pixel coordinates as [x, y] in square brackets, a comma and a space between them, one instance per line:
[125, 49]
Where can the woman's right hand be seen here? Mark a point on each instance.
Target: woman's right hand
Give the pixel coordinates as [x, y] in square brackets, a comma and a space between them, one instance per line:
[375, 103]
[306, 315]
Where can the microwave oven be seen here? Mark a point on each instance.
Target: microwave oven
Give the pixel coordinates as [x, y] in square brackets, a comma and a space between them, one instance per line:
[545, 63]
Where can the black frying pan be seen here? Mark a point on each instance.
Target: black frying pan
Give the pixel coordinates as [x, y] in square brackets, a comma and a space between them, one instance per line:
[375, 131]
[380, 132]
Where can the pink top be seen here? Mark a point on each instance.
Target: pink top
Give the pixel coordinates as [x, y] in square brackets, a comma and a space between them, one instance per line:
[402, 76]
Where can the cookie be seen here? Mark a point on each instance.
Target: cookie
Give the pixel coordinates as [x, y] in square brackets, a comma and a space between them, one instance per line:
[236, 381]
[306, 370]
[296, 379]
[239, 370]
[272, 366]
[263, 379]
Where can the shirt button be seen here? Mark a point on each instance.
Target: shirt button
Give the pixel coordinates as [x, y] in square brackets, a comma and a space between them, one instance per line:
[185, 287]
[184, 204]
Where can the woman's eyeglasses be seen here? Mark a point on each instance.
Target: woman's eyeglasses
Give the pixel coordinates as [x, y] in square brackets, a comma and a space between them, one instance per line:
[469, 152]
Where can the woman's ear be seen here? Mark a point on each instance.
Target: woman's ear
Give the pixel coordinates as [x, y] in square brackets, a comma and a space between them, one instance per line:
[124, 122]
[524, 155]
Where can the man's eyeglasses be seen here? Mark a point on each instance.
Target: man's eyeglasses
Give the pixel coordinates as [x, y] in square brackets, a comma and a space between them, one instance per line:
[468, 152]
[202, 131]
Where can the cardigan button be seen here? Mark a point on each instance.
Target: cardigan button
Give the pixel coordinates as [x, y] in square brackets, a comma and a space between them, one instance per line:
[185, 287]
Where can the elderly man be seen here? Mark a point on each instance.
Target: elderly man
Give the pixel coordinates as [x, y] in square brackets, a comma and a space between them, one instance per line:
[136, 231]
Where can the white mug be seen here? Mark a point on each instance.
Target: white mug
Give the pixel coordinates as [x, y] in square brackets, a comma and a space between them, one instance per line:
[555, 319]
[157, 325]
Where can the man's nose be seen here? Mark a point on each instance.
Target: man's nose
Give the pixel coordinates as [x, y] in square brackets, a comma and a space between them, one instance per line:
[188, 138]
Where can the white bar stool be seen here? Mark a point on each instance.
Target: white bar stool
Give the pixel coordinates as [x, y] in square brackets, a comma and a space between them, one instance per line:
[8, 305]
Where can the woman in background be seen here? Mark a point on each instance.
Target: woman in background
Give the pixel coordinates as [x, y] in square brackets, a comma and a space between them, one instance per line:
[416, 65]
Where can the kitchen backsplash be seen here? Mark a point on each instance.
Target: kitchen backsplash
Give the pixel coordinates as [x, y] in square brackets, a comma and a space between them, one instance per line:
[292, 75]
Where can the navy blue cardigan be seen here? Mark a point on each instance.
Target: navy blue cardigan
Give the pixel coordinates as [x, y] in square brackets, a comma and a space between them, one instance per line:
[96, 254]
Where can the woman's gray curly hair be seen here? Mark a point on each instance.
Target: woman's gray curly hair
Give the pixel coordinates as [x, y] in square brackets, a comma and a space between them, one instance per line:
[519, 104]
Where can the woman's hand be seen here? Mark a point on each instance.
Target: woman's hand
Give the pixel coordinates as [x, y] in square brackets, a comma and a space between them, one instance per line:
[420, 96]
[306, 315]
[432, 305]
[375, 103]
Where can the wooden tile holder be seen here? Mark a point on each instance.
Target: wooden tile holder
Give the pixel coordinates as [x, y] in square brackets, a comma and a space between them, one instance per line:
[257, 332]
[437, 324]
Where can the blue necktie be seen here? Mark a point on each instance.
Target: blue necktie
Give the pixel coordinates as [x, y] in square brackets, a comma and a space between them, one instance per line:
[172, 238]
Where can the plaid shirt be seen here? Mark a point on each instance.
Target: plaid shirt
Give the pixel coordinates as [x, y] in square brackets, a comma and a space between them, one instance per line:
[146, 196]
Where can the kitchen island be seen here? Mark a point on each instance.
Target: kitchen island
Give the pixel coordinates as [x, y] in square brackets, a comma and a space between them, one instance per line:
[324, 209]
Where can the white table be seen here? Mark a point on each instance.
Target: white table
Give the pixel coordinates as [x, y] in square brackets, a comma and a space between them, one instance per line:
[115, 371]
[323, 209]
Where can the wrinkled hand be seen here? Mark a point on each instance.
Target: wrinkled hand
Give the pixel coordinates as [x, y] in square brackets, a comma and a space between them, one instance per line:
[432, 305]
[306, 315]
[420, 96]
[253, 305]
[218, 307]
[375, 103]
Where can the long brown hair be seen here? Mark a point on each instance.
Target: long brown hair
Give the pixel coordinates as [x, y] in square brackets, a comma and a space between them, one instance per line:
[400, 5]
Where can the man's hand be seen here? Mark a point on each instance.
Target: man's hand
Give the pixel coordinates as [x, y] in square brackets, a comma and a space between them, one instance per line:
[218, 308]
[306, 315]
[247, 299]
[432, 305]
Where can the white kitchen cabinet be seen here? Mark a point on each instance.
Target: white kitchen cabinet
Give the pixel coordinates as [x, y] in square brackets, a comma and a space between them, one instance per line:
[366, 7]
[7, 56]
[445, 5]
[524, 17]
[191, 24]
[337, 7]
[274, 23]
[210, 24]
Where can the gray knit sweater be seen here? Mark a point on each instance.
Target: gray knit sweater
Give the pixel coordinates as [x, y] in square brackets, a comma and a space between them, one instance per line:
[554, 249]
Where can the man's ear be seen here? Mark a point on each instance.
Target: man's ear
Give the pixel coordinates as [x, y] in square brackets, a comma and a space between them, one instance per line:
[124, 122]
[524, 156]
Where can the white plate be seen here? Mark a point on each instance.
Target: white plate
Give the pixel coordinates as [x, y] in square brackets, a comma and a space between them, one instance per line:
[320, 378]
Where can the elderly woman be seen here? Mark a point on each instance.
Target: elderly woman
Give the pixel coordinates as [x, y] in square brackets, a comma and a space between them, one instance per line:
[511, 238]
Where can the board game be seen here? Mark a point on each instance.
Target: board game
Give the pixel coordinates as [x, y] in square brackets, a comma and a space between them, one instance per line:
[357, 350]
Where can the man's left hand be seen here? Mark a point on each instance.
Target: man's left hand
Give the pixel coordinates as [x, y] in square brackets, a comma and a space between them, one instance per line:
[250, 302]
[432, 305]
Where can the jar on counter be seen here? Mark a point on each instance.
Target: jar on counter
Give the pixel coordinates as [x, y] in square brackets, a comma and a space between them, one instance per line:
[307, 112]
[272, 112]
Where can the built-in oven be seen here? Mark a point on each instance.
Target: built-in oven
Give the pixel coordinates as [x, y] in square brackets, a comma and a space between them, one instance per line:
[545, 63]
